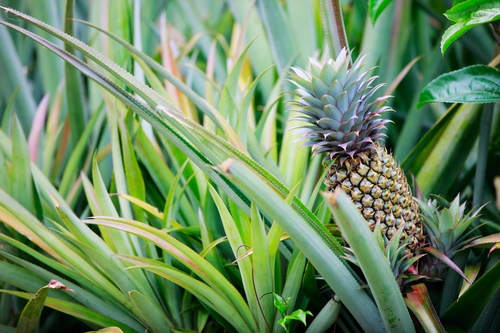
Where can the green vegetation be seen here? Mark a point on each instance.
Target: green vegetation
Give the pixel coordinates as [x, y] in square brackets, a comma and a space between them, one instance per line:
[151, 179]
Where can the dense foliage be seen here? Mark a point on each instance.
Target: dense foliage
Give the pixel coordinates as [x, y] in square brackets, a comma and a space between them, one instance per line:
[150, 179]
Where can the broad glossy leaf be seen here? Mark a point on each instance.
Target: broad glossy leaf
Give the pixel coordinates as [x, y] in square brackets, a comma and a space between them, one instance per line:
[474, 84]
[376, 7]
[467, 15]
[466, 10]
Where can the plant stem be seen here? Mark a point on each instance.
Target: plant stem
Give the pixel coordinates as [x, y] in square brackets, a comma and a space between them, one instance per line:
[333, 24]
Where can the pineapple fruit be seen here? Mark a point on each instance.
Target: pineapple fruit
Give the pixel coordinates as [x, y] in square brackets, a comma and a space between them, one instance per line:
[343, 121]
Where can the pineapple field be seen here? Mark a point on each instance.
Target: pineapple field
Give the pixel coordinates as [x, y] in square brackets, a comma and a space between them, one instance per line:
[249, 166]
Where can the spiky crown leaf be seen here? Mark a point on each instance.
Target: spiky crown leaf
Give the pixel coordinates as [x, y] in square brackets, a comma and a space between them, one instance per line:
[395, 250]
[336, 103]
[446, 226]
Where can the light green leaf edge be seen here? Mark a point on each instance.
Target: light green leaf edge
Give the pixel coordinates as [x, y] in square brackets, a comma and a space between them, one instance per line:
[334, 271]
[376, 267]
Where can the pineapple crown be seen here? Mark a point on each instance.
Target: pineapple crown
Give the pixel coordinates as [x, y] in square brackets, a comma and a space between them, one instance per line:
[446, 227]
[401, 260]
[334, 101]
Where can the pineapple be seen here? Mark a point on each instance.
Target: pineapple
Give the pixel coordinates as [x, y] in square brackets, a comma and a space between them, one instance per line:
[343, 121]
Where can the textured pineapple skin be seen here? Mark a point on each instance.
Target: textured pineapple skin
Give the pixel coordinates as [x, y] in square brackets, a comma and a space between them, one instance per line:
[380, 190]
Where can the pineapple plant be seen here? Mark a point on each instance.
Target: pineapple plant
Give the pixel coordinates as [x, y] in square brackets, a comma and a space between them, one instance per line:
[402, 262]
[448, 233]
[335, 100]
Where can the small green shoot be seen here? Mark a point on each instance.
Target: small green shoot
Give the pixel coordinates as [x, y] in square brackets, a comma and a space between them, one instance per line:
[282, 305]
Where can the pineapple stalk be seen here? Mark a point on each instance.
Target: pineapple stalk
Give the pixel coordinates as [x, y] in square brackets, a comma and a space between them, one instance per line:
[343, 122]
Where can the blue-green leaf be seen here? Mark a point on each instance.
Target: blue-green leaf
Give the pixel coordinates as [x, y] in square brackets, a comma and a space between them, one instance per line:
[474, 84]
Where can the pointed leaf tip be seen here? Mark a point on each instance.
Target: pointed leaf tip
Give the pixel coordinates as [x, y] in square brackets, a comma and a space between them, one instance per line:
[226, 165]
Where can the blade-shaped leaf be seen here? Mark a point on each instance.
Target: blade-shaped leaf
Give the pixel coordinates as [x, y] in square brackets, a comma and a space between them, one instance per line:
[313, 242]
[376, 7]
[445, 260]
[420, 304]
[30, 317]
[371, 259]
[75, 310]
[467, 309]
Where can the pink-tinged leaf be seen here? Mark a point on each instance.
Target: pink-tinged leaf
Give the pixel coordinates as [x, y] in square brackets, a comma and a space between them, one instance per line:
[37, 126]
[446, 260]
[420, 304]
[496, 246]
[485, 242]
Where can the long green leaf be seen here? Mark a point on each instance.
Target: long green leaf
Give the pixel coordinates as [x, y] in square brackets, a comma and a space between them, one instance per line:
[438, 164]
[204, 293]
[185, 255]
[375, 265]
[376, 7]
[89, 295]
[420, 304]
[13, 79]
[154, 317]
[467, 309]
[75, 310]
[30, 317]
[263, 277]
[74, 87]
[22, 183]
[282, 44]
[163, 127]
[312, 243]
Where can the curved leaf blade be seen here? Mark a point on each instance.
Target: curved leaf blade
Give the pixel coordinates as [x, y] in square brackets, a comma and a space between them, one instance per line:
[376, 7]
[312, 241]
[467, 309]
[420, 303]
[375, 265]
[476, 84]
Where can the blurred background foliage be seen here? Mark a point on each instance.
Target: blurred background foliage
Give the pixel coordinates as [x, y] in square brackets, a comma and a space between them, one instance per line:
[67, 141]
